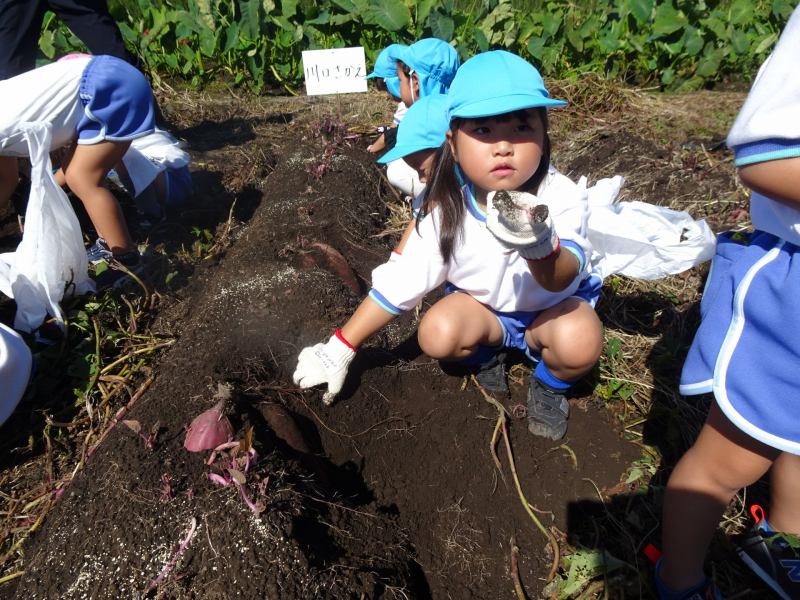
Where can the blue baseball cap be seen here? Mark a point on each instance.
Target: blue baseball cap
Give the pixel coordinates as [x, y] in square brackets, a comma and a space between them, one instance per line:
[434, 61]
[424, 127]
[494, 83]
[385, 66]
[393, 85]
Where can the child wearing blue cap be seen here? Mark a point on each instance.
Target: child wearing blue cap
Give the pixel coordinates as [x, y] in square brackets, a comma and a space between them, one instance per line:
[516, 265]
[97, 105]
[422, 132]
[423, 68]
[385, 75]
[746, 353]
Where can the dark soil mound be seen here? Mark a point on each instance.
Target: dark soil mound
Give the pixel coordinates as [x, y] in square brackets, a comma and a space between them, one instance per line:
[389, 493]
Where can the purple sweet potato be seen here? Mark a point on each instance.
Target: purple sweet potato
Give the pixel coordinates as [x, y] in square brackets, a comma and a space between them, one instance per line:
[343, 270]
[209, 430]
[281, 422]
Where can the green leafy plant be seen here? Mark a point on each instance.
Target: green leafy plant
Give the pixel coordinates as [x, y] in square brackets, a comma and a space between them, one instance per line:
[678, 45]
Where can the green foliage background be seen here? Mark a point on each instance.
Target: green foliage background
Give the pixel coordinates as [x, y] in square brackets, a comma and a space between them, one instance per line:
[678, 45]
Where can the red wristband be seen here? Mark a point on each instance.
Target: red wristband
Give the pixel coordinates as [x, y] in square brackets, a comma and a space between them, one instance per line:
[558, 245]
[340, 337]
[396, 252]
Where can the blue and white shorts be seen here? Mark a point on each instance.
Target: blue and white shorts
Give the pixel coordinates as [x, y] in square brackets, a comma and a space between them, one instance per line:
[179, 186]
[514, 324]
[117, 102]
[747, 349]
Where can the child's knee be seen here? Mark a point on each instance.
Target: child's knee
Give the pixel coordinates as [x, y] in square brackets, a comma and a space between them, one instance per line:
[76, 181]
[578, 340]
[438, 336]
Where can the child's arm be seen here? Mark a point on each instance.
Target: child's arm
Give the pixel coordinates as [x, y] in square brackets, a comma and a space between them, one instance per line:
[9, 178]
[778, 180]
[368, 320]
[556, 272]
[379, 145]
[328, 363]
[398, 286]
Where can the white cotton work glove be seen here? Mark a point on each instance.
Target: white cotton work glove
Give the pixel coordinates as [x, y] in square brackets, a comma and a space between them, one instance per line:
[520, 223]
[325, 363]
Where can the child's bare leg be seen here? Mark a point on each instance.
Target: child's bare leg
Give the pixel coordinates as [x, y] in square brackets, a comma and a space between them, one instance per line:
[85, 168]
[723, 460]
[784, 508]
[454, 327]
[569, 336]
[9, 178]
[61, 179]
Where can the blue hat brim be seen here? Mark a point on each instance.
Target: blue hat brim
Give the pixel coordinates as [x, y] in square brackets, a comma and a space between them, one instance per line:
[371, 75]
[401, 152]
[504, 104]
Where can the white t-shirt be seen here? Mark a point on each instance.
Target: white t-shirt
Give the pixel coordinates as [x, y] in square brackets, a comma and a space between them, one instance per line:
[480, 266]
[50, 94]
[400, 112]
[768, 128]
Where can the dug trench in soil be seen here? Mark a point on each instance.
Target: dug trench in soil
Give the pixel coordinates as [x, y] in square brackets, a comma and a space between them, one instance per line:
[401, 495]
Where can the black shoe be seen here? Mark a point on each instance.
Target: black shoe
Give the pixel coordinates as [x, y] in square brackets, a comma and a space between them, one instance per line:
[98, 252]
[773, 559]
[706, 591]
[120, 271]
[548, 410]
[492, 374]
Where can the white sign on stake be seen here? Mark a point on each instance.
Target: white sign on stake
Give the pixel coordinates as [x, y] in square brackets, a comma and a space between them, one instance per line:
[339, 71]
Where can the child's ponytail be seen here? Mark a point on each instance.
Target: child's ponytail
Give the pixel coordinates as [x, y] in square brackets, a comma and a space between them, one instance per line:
[444, 191]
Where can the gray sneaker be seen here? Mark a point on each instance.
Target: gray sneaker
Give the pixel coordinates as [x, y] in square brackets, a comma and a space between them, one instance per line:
[118, 278]
[99, 252]
[548, 410]
[492, 374]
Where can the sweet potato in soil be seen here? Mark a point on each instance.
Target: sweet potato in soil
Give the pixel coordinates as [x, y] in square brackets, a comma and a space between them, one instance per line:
[402, 498]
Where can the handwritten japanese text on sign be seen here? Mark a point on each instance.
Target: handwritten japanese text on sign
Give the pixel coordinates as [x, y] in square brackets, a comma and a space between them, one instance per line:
[339, 71]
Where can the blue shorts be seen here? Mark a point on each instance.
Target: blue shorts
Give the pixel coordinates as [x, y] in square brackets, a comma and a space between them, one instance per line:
[117, 102]
[179, 186]
[746, 350]
[514, 324]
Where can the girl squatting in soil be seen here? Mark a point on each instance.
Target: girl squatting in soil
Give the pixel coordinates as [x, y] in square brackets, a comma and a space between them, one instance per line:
[98, 105]
[517, 277]
[746, 353]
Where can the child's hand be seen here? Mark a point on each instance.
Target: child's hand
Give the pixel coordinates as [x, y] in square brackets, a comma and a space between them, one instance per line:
[325, 363]
[518, 223]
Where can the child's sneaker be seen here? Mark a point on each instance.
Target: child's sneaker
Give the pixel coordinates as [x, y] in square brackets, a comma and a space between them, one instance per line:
[492, 374]
[115, 277]
[705, 591]
[548, 410]
[772, 558]
[99, 252]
